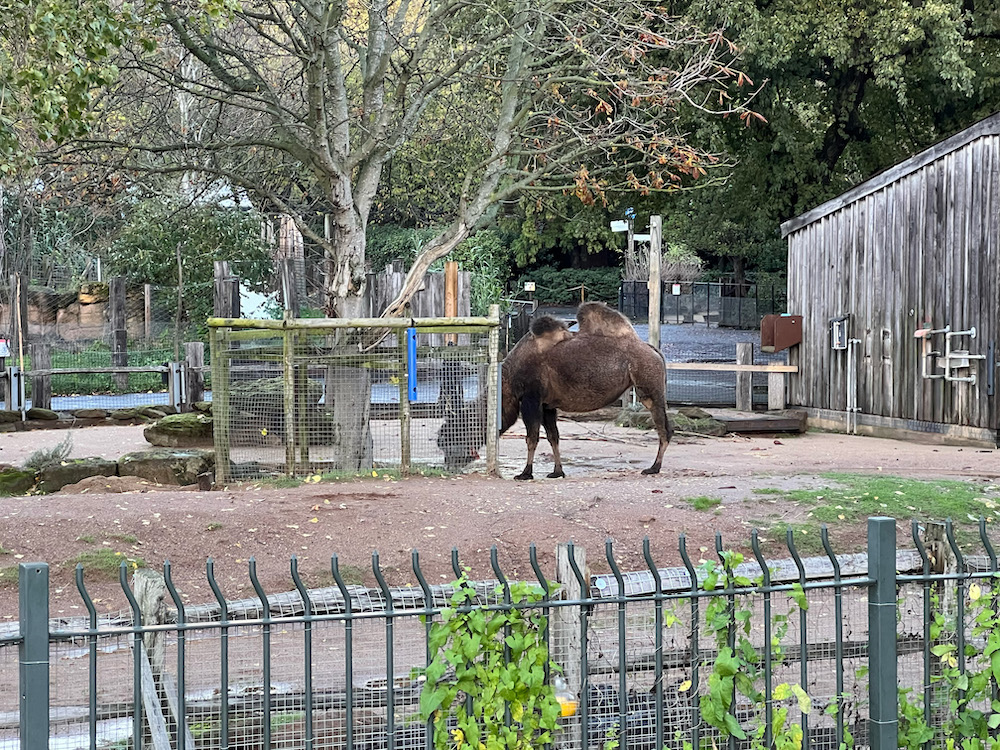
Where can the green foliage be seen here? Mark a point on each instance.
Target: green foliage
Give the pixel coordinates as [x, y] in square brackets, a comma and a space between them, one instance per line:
[739, 667]
[561, 286]
[145, 251]
[964, 683]
[54, 55]
[53, 456]
[497, 659]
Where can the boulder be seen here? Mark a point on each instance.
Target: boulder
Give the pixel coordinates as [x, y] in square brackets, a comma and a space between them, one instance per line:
[9, 416]
[167, 465]
[37, 412]
[124, 414]
[167, 409]
[693, 412]
[203, 406]
[57, 476]
[90, 414]
[14, 481]
[181, 431]
[152, 412]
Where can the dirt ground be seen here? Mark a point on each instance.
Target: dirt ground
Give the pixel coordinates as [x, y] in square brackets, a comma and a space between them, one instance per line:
[604, 496]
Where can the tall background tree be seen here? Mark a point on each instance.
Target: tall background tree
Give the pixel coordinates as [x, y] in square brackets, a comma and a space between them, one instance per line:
[304, 106]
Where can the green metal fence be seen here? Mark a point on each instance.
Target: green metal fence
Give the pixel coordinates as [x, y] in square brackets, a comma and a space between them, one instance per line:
[730, 651]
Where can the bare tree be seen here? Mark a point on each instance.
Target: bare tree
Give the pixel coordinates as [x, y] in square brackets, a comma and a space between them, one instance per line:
[303, 103]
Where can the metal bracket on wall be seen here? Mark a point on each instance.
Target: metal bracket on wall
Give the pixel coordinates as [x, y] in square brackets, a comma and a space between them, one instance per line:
[959, 359]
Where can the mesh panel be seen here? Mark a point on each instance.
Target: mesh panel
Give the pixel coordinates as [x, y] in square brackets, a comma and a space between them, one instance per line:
[351, 410]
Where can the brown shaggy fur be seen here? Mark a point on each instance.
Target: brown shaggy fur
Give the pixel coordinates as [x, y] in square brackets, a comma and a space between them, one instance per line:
[552, 368]
[599, 319]
[549, 370]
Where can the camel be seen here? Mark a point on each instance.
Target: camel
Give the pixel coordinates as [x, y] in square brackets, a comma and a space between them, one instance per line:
[553, 368]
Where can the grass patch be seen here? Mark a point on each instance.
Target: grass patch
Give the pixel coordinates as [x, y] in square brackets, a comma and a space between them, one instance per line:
[704, 502]
[852, 497]
[105, 562]
[767, 491]
[280, 720]
[8, 576]
[4, 550]
[351, 574]
[214, 526]
[87, 539]
[124, 538]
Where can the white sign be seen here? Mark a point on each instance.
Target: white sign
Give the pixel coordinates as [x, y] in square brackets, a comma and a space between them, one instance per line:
[619, 226]
[640, 237]
[4, 348]
[529, 286]
[675, 290]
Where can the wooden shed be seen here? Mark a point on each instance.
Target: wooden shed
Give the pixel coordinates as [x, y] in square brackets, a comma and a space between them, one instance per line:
[897, 282]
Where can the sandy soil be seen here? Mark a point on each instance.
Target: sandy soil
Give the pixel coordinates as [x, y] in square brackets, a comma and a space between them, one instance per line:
[604, 496]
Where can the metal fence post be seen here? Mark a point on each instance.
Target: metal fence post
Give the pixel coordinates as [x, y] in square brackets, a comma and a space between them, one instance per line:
[882, 677]
[33, 656]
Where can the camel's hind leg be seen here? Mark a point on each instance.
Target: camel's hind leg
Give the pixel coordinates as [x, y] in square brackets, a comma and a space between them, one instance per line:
[658, 408]
[531, 415]
[549, 418]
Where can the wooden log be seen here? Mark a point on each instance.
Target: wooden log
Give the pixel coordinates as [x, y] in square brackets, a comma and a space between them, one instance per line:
[226, 292]
[726, 367]
[41, 383]
[744, 379]
[451, 296]
[18, 312]
[405, 423]
[493, 398]
[332, 323]
[108, 370]
[194, 373]
[119, 330]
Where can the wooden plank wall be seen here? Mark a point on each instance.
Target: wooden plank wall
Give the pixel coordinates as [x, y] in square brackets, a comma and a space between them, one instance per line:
[427, 303]
[920, 252]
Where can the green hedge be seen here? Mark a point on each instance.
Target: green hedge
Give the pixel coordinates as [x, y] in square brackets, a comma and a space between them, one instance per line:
[561, 286]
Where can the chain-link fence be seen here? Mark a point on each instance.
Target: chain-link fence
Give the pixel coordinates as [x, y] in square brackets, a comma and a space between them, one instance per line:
[308, 397]
[720, 652]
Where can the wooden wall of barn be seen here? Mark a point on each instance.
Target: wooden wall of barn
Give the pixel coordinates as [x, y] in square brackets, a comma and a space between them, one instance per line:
[921, 251]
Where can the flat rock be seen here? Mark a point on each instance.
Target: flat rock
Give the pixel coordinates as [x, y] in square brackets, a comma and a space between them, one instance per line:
[37, 412]
[15, 481]
[178, 466]
[7, 417]
[90, 413]
[73, 470]
[192, 430]
[202, 406]
[152, 412]
[123, 414]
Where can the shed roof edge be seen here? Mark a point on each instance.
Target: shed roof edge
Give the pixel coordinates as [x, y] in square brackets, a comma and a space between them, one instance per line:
[987, 126]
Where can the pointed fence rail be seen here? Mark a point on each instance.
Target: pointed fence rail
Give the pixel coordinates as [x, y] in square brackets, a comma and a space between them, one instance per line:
[725, 652]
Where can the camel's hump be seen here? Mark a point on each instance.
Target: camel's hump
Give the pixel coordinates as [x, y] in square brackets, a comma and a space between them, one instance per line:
[546, 325]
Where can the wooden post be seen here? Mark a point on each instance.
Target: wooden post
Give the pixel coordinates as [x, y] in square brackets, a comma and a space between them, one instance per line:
[493, 396]
[147, 311]
[744, 380]
[564, 623]
[18, 312]
[227, 292]
[289, 289]
[119, 331]
[655, 284]
[150, 591]
[775, 391]
[405, 425]
[194, 378]
[943, 560]
[289, 401]
[451, 297]
[219, 341]
[41, 385]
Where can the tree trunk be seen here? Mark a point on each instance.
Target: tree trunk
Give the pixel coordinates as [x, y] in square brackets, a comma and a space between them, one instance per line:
[347, 404]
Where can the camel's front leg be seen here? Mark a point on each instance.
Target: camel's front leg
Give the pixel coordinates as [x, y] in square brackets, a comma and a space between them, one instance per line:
[532, 418]
[549, 418]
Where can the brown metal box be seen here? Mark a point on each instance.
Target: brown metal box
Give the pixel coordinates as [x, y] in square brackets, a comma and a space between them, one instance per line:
[778, 332]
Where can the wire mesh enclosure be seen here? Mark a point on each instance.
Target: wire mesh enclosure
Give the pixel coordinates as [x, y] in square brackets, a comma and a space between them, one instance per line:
[320, 396]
